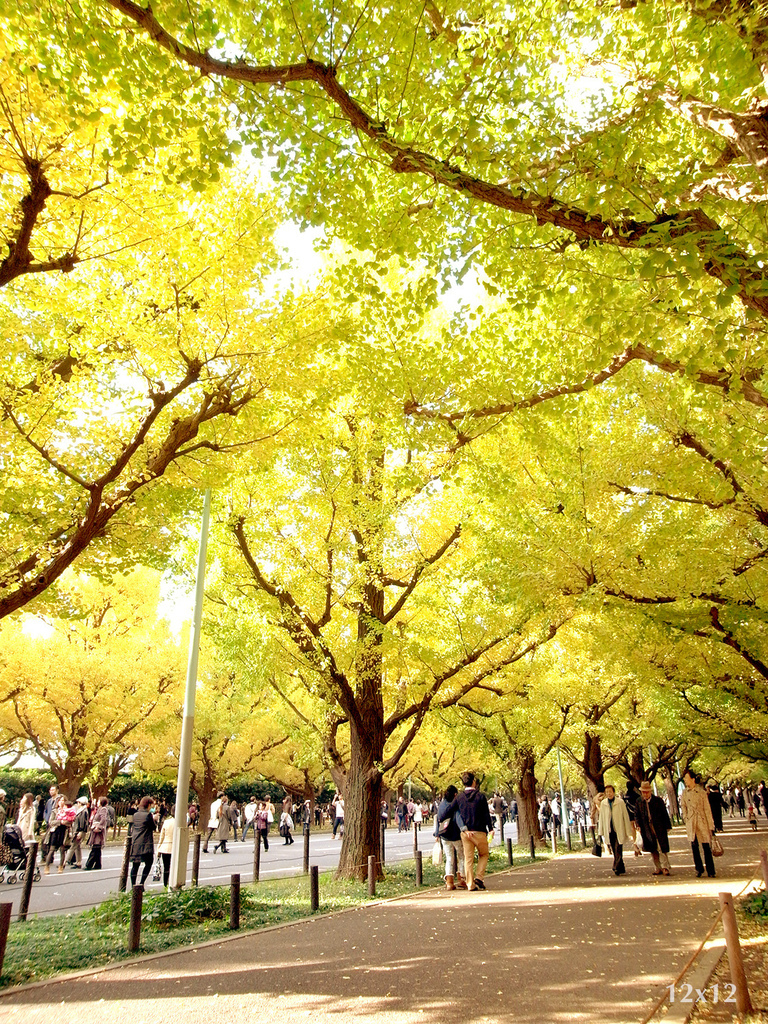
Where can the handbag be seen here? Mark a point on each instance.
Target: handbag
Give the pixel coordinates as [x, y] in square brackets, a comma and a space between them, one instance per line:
[443, 826]
[716, 846]
[437, 853]
[597, 849]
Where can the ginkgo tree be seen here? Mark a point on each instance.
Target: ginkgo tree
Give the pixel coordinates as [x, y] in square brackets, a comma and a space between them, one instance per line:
[87, 690]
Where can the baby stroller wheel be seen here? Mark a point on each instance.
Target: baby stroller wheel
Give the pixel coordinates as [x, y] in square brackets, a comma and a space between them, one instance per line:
[22, 875]
[37, 876]
[10, 879]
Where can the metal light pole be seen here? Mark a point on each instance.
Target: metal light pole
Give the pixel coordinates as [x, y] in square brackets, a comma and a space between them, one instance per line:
[563, 807]
[178, 873]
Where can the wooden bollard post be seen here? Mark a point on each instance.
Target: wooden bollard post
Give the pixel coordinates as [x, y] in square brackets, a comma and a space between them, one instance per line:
[124, 866]
[257, 857]
[5, 921]
[371, 876]
[554, 841]
[533, 848]
[592, 833]
[419, 868]
[29, 877]
[415, 840]
[568, 840]
[196, 858]
[510, 856]
[735, 961]
[764, 866]
[306, 848]
[383, 840]
[134, 927]
[582, 836]
[314, 888]
[234, 902]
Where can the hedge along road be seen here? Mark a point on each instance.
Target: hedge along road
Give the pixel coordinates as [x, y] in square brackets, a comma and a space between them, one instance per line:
[78, 890]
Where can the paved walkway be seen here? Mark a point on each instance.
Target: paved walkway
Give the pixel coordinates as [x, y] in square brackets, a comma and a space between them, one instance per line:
[556, 942]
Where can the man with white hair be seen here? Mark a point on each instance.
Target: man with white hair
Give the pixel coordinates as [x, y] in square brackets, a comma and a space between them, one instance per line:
[653, 821]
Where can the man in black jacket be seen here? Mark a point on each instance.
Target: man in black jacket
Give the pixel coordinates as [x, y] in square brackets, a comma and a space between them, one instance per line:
[473, 808]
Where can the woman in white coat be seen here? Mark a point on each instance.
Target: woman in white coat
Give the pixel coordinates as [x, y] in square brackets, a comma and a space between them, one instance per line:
[615, 827]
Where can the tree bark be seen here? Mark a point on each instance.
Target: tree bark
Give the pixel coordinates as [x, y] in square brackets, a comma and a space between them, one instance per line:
[593, 765]
[525, 794]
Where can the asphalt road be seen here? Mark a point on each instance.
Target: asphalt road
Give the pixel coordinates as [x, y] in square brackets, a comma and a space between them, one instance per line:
[78, 890]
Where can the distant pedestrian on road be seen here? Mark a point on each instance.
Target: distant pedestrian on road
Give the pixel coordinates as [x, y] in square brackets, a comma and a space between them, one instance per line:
[715, 798]
[698, 823]
[142, 841]
[165, 846]
[213, 820]
[615, 827]
[97, 835]
[79, 832]
[653, 820]
[223, 826]
[262, 825]
[61, 817]
[338, 821]
[26, 818]
[286, 827]
[249, 815]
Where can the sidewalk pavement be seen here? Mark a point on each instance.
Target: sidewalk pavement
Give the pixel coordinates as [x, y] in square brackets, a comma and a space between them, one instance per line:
[553, 942]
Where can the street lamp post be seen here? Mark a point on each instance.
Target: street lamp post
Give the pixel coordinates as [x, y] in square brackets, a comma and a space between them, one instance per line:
[178, 873]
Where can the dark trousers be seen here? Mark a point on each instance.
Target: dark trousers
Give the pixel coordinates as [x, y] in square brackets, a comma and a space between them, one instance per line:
[146, 863]
[166, 858]
[263, 833]
[708, 859]
[618, 855]
[94, 859]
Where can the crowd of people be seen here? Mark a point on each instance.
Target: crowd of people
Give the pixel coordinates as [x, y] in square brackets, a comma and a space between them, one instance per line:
[465, 823]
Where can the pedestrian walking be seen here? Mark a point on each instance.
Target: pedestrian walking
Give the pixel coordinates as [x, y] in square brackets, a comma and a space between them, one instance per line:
[142, 841]
[249, 817]
[79, 832]
[26, 818]
[476, 825]
[223, 827]
[165, 847]
[97, 835]
[338, 821]
[286, 827]
[653, 821]
[213, 820]
[262, 825]
[699, 825]
[61, 817]
[448, 832]
[615, 827]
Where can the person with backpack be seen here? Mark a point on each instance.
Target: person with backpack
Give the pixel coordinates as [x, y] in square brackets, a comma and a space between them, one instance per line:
[476, 826]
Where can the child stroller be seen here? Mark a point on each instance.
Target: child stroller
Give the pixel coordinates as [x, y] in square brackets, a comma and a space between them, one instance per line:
[13, 856]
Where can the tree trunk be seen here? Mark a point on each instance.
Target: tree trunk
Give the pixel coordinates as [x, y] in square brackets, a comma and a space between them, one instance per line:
[362, 806]
[527, 808]
[671, 793]
[362, 799]
[593, 765]
[637, 765]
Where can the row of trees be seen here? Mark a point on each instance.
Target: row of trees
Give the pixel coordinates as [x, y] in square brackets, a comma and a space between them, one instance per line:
[497, 483]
